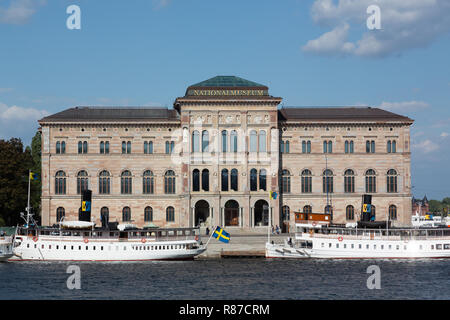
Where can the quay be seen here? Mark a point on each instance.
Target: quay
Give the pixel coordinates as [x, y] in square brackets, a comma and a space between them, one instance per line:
[243, 244]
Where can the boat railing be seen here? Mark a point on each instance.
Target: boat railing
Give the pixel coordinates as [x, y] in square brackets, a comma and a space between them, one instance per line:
[160, 234]
[364, 234]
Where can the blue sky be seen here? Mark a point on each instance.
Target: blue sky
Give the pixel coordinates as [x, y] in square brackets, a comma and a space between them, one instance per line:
[311, 53]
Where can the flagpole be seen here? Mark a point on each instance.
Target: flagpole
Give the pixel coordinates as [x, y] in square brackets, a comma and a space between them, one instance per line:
[28, 202]
[206, 245]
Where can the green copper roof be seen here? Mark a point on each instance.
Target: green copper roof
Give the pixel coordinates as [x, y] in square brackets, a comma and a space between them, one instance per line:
[227, 81]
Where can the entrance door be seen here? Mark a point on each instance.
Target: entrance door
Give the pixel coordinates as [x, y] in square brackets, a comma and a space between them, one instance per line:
[201, 212]
[261, 211]
[231, 213]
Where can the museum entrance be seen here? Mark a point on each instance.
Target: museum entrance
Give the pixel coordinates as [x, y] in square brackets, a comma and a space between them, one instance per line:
[261, 211]
[201, 212]
[232, 213]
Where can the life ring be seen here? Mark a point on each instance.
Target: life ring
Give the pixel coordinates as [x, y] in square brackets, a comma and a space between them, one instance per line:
[143, 240]
[314, 224]
[340, 238]
[86, 240]
[196, 238]
[35, 239]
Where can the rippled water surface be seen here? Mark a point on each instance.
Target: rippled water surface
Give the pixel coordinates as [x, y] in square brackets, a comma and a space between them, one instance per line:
[238, 278]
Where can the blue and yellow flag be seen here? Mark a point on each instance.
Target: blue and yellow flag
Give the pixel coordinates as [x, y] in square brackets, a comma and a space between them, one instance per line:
[221, 235]
[34, 176]
[273, 195]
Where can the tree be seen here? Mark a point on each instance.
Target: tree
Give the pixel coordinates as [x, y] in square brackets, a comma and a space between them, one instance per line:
[14, 166]
[435, 206]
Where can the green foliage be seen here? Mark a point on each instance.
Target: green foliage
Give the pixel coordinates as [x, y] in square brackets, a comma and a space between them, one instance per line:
[15, 163]
[440, 207]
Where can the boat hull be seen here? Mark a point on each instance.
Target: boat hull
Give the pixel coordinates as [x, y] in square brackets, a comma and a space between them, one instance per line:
[66, 250]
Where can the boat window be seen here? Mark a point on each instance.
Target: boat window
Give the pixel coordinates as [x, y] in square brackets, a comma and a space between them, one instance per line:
[87, 248]
[187, 232]
[101, 248]
[390, 247]
[432, 247]
[35, 246]
[446, 246]
[420, 247]
[345, 246]
[79, 247]
[28, 245]
[353, 246]
[360, 246]
[329, 245]
[171, 233]
[93, 248]
[398, 247]
[382, 247]
[337, 245]
[404, 247]
[439, 247]
[367, 246]
[323, 244]
[42, 246]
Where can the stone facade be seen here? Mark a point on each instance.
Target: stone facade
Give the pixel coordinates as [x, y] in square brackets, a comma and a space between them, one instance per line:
[215, 141]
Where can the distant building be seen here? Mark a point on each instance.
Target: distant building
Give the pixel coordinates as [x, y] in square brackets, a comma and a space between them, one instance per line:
[216, 156]
[420, 207]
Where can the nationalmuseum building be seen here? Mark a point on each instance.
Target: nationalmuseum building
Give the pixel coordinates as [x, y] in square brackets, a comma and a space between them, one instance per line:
[215, 158]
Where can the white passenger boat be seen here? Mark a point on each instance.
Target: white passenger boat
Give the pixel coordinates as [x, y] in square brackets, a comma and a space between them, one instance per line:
[315, 237]
[6, 247]
[94, 244]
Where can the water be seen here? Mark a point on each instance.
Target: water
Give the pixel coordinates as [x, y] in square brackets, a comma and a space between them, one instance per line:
[229, 279]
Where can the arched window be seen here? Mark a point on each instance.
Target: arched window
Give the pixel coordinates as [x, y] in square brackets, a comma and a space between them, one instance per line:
[394, 146]
[82, 182]
[169, 182]
[58, 147]
[148, 214]
[126, 182]
[263, 179]
[350, 213]
[85, 147]
[80, 147]
[170, 214]
[107, 147]
[104, 182]
[126, 214]
[196, 180]
[285, 181]
[104, 216]
[234, 179]
[195, 141]
[224, 178]
[124, 147]
[327, 147]
[370, 146]
[262, 141]
[233, 141]
[327, 181]
[60, 182]
[389, 146]
[129, 147]
[330, 147]
[224, 141]
[371, 181]
[205, 141]
[253, 141]
[285, 213]
[284, 146]
[392, 181]
[63, 147]
[307, 209]
[349, 181]
[306, 181]
[392, 212]
[60, 213]
[253, 180]
[351, 146]
[205, 180]
[308, 146]
[102, 147]
[148, 185]
[328, 209]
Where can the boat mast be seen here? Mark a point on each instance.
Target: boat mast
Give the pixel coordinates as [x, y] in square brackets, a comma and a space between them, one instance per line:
[28, 202]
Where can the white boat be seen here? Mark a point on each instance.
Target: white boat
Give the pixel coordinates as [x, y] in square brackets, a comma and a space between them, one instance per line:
[315, 237]
[58, 244]
[429, 221]
[6, 247]
[76, 224]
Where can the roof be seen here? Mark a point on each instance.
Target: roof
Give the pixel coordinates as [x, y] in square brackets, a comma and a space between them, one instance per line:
[339, 114]
[227, 82]
[82, 114]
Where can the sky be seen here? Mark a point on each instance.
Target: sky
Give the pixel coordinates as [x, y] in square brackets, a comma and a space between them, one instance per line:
[311, 53]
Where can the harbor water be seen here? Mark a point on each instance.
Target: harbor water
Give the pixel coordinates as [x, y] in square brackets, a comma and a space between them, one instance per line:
[218, 279]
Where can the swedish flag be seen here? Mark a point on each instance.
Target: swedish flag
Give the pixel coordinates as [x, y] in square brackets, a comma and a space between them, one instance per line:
[34, 176]
[221, 235]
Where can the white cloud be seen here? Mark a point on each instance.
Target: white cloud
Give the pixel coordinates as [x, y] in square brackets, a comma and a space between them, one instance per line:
[444, 134]
[19, 11]
[19, 122]
[405, 25]
[425, 146]
[404, 106]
